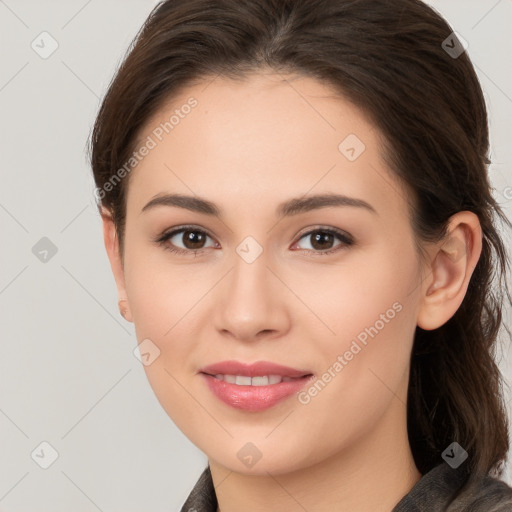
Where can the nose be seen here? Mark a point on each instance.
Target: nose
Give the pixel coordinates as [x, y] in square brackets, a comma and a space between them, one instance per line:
[251, 302]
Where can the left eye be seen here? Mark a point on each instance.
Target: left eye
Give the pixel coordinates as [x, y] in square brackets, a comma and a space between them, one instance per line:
[321, 240]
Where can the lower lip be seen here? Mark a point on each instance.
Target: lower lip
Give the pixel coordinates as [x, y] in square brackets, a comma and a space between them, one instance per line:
[253, 398]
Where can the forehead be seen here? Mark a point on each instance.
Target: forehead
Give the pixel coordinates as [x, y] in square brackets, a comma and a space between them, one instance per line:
[269, 136]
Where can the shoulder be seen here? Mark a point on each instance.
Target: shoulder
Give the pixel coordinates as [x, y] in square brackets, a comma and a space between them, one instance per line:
[202, 497]
[448, 490]
[485, 495]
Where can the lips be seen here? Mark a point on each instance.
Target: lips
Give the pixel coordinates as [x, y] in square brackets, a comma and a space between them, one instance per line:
[253, 387]
[257, 369]
[263, 380]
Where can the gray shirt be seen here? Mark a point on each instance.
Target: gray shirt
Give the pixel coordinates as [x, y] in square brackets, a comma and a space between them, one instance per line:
[436, 491]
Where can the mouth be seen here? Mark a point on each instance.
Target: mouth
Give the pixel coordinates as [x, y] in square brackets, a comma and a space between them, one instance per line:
[263, 380]
[253, 387]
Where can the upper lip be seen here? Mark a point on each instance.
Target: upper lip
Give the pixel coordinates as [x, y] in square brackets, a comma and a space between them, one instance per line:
[260, 368]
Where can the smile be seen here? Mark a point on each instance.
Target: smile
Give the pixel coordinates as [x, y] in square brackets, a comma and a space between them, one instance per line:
[264, 380]
[253, 386]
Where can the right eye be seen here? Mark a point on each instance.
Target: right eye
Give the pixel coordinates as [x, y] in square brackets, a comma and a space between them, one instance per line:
[191, 238]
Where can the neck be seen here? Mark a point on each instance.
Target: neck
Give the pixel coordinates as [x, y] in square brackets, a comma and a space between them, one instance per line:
[371, 475]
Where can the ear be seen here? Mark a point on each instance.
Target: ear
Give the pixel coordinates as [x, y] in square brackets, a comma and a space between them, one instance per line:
[453, 261]
[116, 262]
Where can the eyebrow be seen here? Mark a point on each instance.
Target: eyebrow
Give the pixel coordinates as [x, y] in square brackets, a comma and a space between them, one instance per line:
[288, 208]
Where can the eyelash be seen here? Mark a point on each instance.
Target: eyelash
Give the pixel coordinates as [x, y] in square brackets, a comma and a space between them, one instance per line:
[346, 240]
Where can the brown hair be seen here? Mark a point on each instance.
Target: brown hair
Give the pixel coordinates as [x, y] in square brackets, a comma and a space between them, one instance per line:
[387, 57]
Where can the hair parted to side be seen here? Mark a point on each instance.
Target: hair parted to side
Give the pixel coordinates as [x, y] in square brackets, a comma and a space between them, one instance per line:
[386, 57]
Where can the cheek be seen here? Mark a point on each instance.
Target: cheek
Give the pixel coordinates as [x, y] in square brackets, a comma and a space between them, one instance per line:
[162, 294]
[368, 313]
[165, 301]
[364, 375]
[369, 294]
[164, 308]
[162, 304]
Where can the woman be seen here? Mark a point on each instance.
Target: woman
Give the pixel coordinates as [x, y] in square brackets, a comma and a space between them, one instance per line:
[298, 216]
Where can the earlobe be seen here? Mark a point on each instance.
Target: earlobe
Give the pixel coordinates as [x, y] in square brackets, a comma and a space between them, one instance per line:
[111, 241]
[453, 261]
[124, 309]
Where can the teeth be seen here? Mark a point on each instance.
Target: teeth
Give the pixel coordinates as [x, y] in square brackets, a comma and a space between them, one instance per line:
[242, 380]
[259, 381]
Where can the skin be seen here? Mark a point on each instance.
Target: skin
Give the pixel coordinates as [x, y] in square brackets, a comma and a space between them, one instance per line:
[248, 146]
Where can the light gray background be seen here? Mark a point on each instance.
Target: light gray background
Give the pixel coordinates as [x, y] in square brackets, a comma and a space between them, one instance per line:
[67, 372]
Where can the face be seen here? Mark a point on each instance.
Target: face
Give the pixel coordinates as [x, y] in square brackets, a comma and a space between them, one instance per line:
[269, 271]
